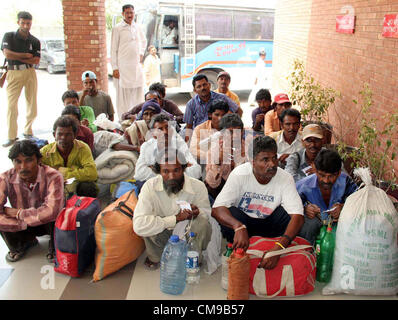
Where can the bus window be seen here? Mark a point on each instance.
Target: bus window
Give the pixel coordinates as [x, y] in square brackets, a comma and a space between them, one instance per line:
[169, 34]
[147, 20]
[254, 26]
[213, 24]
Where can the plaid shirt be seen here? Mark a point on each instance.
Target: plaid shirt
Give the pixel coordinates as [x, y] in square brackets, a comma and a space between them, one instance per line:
[40, 205]
[196, 110]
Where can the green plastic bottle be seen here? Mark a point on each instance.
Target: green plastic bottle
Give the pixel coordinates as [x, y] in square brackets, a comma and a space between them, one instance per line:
[229, 250]
[325, 258]
[321, 233]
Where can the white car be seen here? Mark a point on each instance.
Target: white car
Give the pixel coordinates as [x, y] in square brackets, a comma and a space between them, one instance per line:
[52, 55]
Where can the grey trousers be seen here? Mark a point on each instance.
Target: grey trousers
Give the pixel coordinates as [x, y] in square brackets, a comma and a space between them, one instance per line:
[155, 244]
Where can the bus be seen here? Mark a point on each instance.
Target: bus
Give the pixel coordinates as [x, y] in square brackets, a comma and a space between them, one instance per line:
[212, 36]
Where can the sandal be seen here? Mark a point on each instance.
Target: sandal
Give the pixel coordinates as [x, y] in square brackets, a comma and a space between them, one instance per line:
[149, 265]
[13, 256]
[50, 256]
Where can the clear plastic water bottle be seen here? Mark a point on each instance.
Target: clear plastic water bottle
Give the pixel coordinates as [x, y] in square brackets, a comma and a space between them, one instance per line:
[172, 266]
[192, 263]
[224, 267]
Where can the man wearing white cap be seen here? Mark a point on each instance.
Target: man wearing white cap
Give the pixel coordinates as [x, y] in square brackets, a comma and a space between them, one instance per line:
[128, 46]
[301, 163]
[99, 100]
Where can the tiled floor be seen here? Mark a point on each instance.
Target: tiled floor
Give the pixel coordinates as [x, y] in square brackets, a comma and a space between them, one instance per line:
[34, 278]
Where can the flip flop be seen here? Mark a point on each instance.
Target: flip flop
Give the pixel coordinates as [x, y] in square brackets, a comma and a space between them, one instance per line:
[16, 255]
[50, 257]
[149, 265]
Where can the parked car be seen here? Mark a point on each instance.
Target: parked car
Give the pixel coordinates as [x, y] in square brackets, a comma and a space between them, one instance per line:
[52, 55]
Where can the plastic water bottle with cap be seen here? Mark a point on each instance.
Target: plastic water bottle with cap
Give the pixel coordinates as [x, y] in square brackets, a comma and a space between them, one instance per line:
[324, 266]
[192, 264]
[224, 267]
[172, 266]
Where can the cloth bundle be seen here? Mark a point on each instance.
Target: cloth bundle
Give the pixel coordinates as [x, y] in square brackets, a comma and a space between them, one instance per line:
[114, 166]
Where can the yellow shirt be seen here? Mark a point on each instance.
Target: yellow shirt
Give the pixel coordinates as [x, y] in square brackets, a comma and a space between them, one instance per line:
[233, 96]
[80, 165]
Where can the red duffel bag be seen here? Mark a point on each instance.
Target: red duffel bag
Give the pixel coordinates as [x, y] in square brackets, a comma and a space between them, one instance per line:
[294, 274]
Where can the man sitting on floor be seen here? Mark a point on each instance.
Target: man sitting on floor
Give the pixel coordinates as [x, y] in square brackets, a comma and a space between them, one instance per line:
[83, 133]
[226, 153]
[272, 121]
[136, 134]
[328, 188]
[166, 105]
[71, 97]
[289, 138]
[157, 211]
[223, 82]
[263, 99]
[36, 196]
[99, 100]
[164, 136]
[196, 109]
[300, 164]
[198, 145]
[71, 157]
[259, 199]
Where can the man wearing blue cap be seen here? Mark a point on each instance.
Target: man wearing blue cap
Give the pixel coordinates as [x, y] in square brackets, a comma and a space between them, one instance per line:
[99, 100]
[136, 134]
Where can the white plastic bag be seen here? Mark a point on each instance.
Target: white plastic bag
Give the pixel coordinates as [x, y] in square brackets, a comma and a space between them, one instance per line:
[366, 251]
[106, 124]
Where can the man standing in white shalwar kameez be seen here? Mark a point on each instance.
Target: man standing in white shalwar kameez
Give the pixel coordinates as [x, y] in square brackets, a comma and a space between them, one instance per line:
[127, 53]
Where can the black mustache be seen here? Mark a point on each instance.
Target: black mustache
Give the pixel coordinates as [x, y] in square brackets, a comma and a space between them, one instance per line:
[326, 184]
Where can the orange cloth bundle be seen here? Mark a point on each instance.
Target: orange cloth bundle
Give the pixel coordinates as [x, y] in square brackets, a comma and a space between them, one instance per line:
[238, 275]
[117, 243]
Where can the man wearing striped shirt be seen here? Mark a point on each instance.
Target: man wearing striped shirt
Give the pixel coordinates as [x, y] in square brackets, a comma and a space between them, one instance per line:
[36, 196]
[196, 111]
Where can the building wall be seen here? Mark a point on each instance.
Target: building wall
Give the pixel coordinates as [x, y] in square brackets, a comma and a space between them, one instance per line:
[291, 32]
[344, 62]
[85, 41]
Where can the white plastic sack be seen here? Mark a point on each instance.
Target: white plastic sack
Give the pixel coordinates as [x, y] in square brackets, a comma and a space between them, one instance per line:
[106, 124]
[366, 251]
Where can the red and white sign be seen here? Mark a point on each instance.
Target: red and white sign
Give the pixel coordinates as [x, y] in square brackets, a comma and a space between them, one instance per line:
[345, 24]
[390, 26]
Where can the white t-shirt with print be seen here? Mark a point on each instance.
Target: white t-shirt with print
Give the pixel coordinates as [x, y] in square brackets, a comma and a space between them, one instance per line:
[242, 190]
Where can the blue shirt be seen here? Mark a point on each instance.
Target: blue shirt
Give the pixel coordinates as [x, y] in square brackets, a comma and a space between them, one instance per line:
[308, 190]
[196, 110]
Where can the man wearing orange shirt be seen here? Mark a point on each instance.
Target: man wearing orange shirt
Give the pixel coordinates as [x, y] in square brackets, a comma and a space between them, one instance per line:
[223, 81]
[200, 141]
[271, 118]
